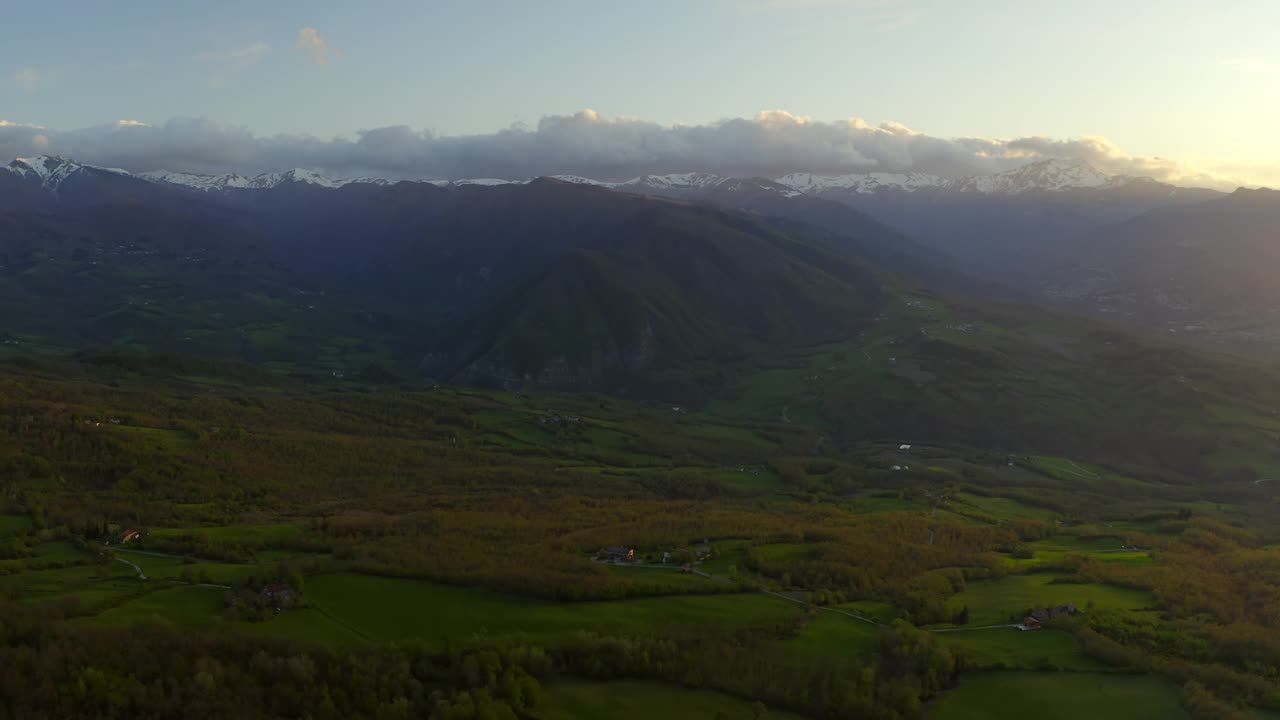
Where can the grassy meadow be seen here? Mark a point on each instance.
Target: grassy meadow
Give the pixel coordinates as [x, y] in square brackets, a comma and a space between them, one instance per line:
[1059, 696]
[1002, 600]
[637, 700]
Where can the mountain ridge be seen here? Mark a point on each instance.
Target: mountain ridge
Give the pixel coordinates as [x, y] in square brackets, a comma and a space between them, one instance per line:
[1046, 175]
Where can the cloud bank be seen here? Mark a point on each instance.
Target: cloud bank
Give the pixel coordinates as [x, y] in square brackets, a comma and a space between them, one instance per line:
[770, 144]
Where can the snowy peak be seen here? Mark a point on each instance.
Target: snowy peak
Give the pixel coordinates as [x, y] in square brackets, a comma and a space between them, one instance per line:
[1041, 176]
[231, 181]
[267, 181]
[674, 182]
[861, 183]
[52, 171]
[579, 180]
[199, 182]
[1045, 175]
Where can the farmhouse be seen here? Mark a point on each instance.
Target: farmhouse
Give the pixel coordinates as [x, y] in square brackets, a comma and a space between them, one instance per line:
[617, 553]
[128, 536]
[1041, 615]
[277, 595]
[1029, 623]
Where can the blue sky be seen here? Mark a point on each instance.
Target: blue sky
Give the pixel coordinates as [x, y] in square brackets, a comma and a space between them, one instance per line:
[1191, 81]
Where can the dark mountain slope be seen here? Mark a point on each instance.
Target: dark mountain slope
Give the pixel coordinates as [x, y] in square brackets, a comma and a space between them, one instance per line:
[341, 277]
[676, 287]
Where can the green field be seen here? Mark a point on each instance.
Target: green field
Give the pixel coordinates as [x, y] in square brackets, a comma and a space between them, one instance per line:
[14, 525]
[833, 636]
[637, 700]
[171, 439]
[1100, 549]
[731, 554]
[993, 602]
[1059, 696]
[668, 577]
[61, 551]
[879, 611]
[185, 606]
[391, 609]
[89, 585]
[166, 567]
[262, 535]
[1009, 648]
[998, 508]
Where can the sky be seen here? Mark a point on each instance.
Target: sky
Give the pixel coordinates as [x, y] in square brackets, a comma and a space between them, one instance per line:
[1184, 91]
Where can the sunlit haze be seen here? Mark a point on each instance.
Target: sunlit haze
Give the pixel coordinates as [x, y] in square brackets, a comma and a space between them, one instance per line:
[1184, 91]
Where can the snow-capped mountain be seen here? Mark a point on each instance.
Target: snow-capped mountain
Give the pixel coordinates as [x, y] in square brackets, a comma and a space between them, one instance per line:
[51, 172]
[863, 183]
[661, 184]
[262, 181]
[1045, 175]
[1041, 176]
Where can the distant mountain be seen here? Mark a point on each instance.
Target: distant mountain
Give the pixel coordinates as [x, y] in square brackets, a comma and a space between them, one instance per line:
[1042, 176]
[1060, 231]
[544, 282]
[40, 183]
[1205, 270]
[1004, 229]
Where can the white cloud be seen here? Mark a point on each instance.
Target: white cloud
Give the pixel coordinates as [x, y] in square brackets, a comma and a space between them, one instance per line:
[310, 42]
[586, 143]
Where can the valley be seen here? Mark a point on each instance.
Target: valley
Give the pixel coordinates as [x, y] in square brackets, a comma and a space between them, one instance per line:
[560, 448]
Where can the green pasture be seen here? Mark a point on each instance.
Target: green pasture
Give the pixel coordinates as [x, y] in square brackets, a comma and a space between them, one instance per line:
[832, 636]
[995, 601]
[161, 437]
[389, 609]
[15, 525]
[1059, 696]
[90, 586]
[1013, 649]
[998, 508]
[670, 577]
[640, 700]
[183, 605]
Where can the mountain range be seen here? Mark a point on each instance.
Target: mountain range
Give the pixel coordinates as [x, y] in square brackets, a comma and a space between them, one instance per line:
[1040, 176]
[1190, 261]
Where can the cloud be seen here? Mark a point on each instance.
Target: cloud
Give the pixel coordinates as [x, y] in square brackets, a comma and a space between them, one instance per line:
[310, 42]
[27, 78]
[770, 144]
